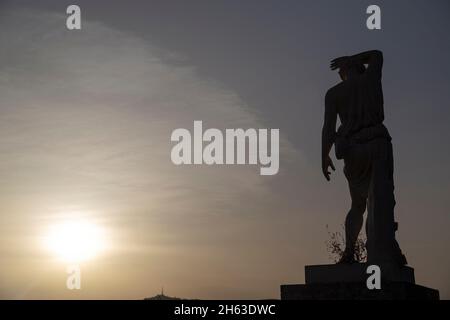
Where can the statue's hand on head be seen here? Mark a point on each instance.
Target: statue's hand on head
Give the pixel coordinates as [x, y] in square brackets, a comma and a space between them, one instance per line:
[327, 163]
[340, 62]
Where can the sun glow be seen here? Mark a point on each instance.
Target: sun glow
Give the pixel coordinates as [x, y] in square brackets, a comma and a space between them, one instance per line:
[75, 241]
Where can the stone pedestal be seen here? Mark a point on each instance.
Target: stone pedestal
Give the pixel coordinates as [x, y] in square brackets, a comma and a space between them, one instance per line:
[348, 282]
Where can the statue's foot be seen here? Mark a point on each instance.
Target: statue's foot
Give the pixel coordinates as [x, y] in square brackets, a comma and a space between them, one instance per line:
[398, 255]
[402, 260]
[347, 258]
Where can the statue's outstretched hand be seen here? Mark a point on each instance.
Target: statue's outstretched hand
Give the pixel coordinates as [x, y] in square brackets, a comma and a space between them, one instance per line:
[340, 62]
[327, 163]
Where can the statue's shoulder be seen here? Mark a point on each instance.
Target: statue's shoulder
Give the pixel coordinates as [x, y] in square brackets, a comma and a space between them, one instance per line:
[334, 91]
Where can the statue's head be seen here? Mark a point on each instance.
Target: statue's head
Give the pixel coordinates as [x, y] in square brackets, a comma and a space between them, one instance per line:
[351, 70]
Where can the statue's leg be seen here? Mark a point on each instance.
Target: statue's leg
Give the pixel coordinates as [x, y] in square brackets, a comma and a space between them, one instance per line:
[355, 217]
[382, 246]
[357, 171]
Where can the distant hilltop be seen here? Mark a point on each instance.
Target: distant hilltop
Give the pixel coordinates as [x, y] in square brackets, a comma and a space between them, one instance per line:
[162, 296]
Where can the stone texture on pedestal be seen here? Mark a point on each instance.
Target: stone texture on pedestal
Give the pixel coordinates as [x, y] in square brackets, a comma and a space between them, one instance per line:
[348, 282]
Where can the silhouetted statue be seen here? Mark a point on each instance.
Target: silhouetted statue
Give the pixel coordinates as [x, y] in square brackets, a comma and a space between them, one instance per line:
[364, 143]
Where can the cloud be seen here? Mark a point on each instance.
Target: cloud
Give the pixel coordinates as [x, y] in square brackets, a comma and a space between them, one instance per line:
[96, 108]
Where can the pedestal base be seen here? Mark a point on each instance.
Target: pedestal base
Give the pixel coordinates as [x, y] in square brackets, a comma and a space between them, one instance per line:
[357, 291]
[356, 272]
[348, 282]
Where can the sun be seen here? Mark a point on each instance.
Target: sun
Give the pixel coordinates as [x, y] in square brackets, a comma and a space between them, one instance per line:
[75, 241]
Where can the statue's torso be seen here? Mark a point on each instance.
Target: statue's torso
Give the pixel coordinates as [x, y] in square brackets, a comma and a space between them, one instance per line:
[359, 104]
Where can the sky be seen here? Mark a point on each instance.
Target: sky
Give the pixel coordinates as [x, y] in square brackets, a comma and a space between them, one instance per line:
[86, 118]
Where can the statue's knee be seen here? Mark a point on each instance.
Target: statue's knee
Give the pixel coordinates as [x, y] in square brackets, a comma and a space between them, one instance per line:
[358, 208]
